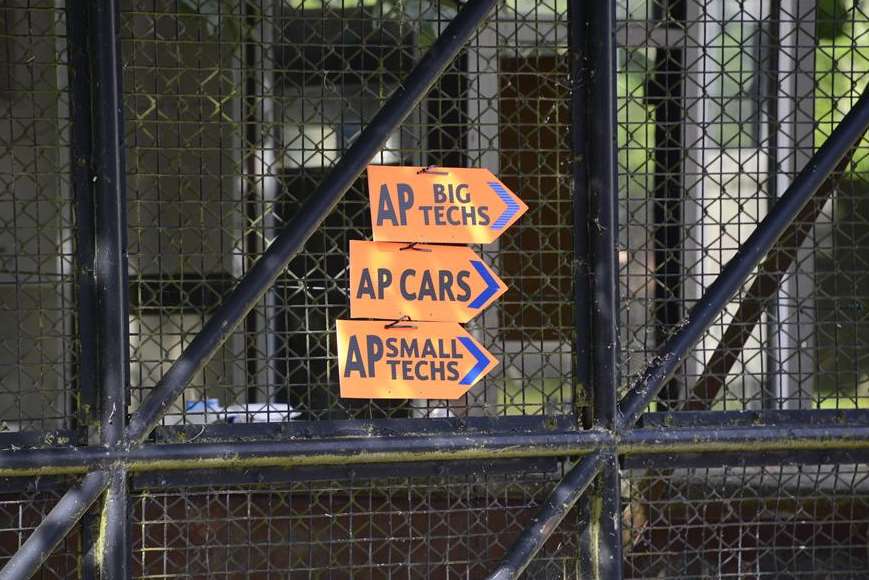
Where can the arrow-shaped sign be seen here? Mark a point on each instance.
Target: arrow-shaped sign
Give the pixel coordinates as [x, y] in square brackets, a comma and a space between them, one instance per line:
[423, 282]
[440, 205]
[414, 360]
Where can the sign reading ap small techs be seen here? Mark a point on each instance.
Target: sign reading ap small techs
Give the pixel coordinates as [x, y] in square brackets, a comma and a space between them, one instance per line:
[423, 360]
[424, 282]
[440, 205]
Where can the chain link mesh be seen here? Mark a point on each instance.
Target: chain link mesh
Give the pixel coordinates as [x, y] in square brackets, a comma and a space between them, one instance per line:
[720, 106]
[37, 222]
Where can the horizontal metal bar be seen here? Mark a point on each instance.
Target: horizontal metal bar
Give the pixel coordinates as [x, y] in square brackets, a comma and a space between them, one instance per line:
[276, 475]
[749, 440]
[303, 452]
[298, 452]
[228, 432]
[739, 268]
[768, 417]
[795, 456]
[318, 205]
[554, 510]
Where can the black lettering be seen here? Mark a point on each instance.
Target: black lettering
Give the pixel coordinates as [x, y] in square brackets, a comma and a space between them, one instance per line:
[437, 371]
[405, 201]
[452, 212]
[384, 280]
[439, 195]
[428, 350]
[402, 284]
[483, 213]
[385, 209]
[391, 349]
[445, 285]
[374, 348]
[462, 282]
[452, 370]
[366, 286]
[409, 348]
[469, 215]
[426, 287]
[354, 359]
[418, 371]
[463, 194]
[393, 368]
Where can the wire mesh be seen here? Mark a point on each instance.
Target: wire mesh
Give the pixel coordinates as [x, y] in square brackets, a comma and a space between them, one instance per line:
[20, 513]
[37, 223]
[720, 106]
[400, 527]
[805, 521]
[237, 110]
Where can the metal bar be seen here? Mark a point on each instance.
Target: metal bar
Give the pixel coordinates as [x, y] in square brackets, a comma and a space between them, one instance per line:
[53, 529]
[290, 241]
[738, 269]
[603, 195]
[554, 510]
[86, 403]
[80, 181]
[605, 521]
[582, 301]
[438, 426]
[293, 453]
[112, 556]
[600, 541]
[300, 452]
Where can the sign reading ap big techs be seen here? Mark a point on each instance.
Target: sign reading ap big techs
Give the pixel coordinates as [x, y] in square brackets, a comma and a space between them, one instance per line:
[431, 360]
[440, 205]
[424, 282]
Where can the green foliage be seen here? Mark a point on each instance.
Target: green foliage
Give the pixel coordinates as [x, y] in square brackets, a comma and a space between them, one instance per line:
[841, 72]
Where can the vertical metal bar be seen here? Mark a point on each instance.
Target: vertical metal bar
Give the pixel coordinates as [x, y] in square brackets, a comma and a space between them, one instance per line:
[602, 537]
[582, 276]
[603, 190]
[109, 180]
[86, 396]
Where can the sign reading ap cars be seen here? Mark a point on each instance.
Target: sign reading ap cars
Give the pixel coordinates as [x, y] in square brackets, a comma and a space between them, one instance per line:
[443, 205]
[433, 360]
[423, 282]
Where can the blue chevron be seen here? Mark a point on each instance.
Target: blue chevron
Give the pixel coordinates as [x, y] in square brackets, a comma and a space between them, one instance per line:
[491, 284]
[482, 361]
[512, 207]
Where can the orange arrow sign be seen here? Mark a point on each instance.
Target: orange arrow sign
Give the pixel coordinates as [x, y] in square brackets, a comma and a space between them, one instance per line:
[446, 205]
[446, 283]
[419, 360]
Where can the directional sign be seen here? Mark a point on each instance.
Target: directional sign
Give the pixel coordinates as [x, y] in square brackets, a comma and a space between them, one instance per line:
[415, 360]
[440, 205]
[445, 283]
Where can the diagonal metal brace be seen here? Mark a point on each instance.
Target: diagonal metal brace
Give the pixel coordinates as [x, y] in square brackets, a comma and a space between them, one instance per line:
[554, 510]
[256, 282]
[739, 268]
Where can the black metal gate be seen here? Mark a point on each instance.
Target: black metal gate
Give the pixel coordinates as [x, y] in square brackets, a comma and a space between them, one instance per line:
[684, 374]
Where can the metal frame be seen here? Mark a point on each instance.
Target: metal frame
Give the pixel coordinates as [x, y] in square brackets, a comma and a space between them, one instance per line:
[610, 437]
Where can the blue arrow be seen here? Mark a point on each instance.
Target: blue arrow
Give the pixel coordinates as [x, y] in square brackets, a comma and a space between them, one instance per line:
[491, 284]
[482, 361]
[512, 207]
